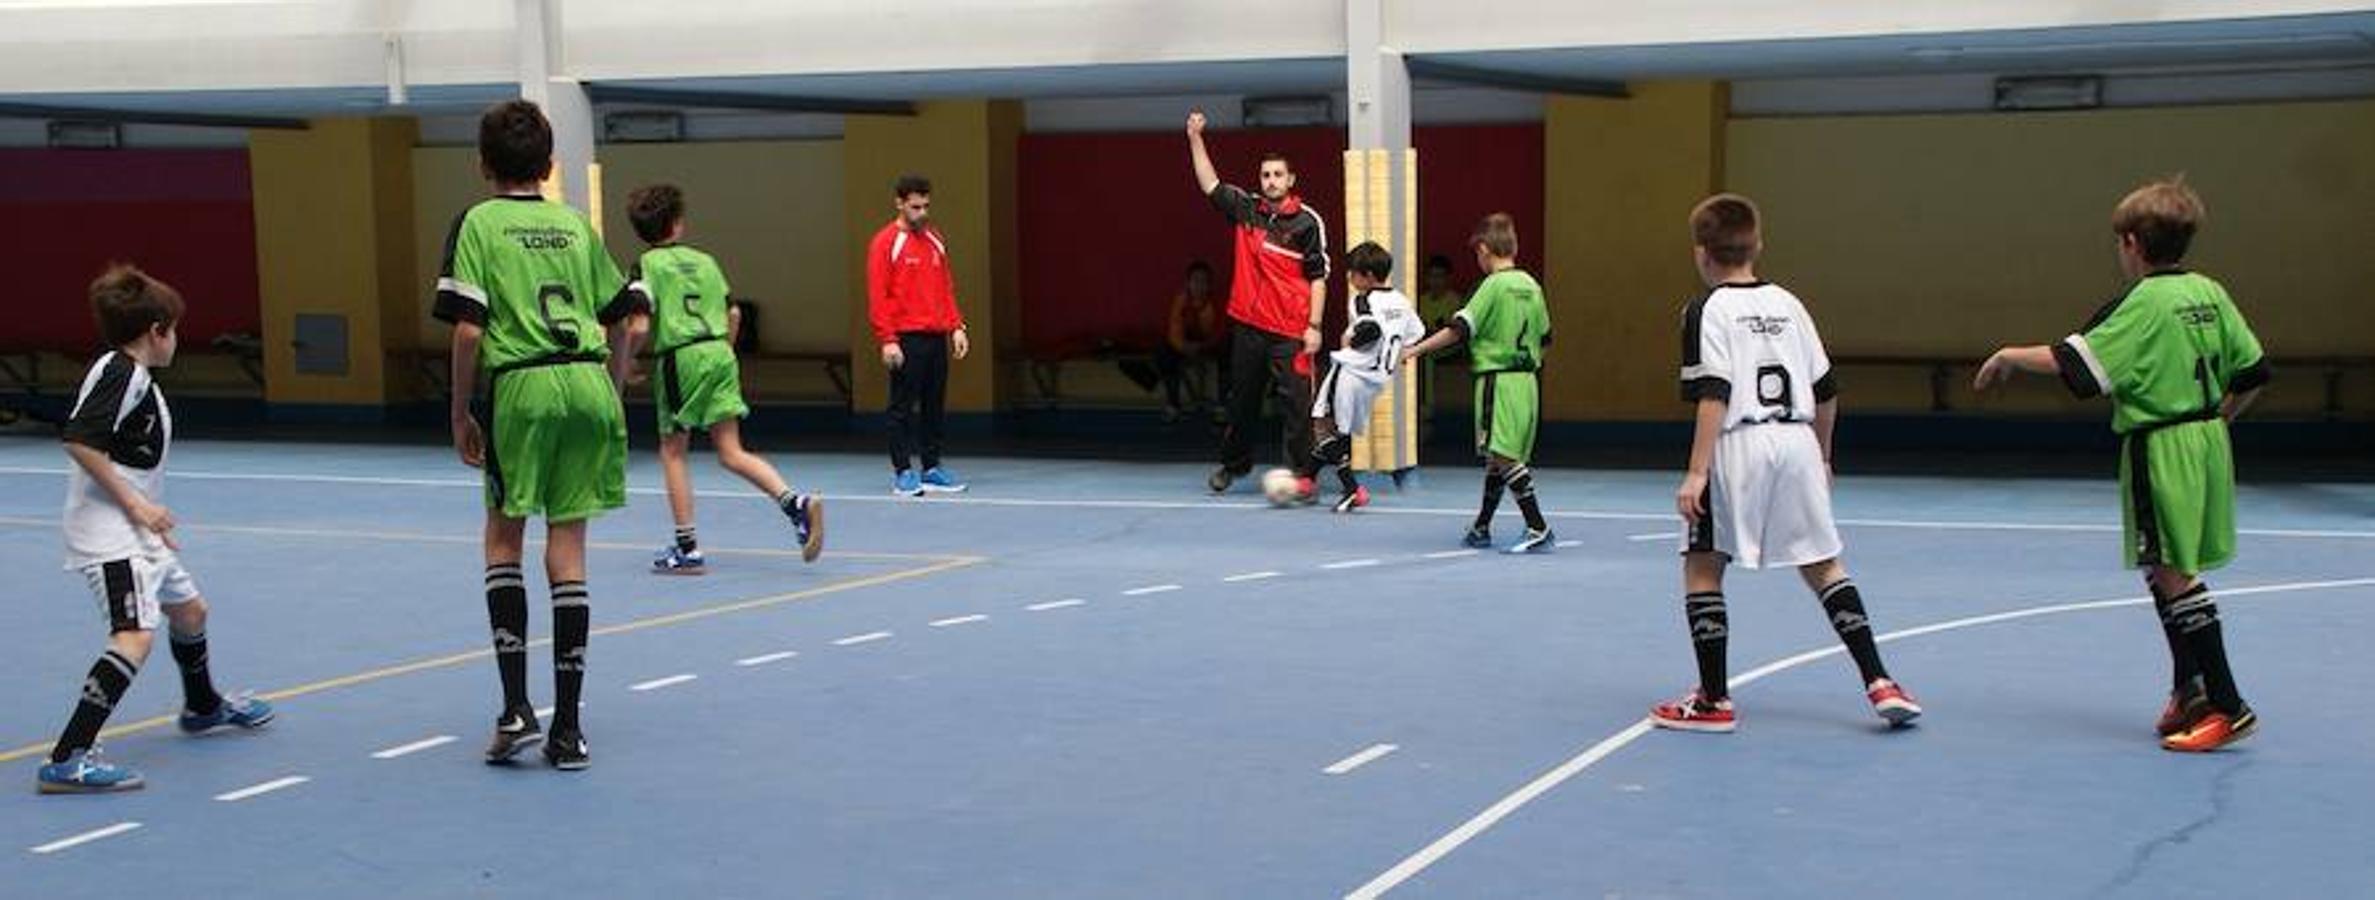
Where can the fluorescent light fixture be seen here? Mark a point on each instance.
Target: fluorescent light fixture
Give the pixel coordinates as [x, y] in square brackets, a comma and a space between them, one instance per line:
[2049, 92]
[80, 135]
[643, 127]
[1277, 112]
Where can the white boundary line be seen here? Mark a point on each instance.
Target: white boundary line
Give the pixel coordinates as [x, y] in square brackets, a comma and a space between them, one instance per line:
[414, 747]
[958, 620]
[262, 789]
[1352, 564]
[85, 838]
[1452, 554]
[1360, 759]
[765, 658]
[1251, 576]
[658, 683]
[868, 637]
[1418, 862]
[1055, 604]
[1150, 589]
[1605, 515]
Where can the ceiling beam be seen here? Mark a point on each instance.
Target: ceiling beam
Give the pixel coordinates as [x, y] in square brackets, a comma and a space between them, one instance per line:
[147, 117]
[1435, 70]
[602, 92]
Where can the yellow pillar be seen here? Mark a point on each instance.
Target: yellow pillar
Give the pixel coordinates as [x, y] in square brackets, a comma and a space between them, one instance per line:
[967, 149]
[1620, 177]
[334, 249]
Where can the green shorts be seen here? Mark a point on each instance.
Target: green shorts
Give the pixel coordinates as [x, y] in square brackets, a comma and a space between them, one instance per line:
[2178, 484]
[1508, 410]
[556, 443]
[698, 385]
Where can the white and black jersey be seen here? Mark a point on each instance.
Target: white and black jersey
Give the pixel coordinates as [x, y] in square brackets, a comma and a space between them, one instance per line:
[1383, 324]
[1753, 346]
[119, 412]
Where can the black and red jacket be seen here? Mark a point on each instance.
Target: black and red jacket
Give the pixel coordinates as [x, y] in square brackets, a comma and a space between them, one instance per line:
[908, 284]
[1281, 248]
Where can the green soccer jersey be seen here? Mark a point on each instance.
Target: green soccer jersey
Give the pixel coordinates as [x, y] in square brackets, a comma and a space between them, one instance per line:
[686, 293]
[1507, 323]
[534, 275]
[2168, 351]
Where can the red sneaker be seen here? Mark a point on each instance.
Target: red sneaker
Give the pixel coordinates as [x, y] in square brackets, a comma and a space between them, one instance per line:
[1892, 703]
[1306, 491]
[1694, 713]
[1352, 501]
[2216, 731]
[2187, 706]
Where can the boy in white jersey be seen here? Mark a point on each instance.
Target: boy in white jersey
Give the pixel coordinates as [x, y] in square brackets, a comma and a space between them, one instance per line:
[120, 536]
[1758, 492]
[1382, 323]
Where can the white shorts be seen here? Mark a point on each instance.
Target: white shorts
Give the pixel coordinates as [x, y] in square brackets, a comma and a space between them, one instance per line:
[1347, 399]
[133, 592]
[1768, 499]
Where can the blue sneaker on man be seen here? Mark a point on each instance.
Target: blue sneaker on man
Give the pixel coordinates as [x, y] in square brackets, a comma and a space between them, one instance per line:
[85, 773]
[243, 711]
[907, 484]
[939, 480]
[674, 560]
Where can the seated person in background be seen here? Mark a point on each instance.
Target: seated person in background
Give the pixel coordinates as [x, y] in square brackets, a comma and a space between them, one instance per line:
[1191, 333]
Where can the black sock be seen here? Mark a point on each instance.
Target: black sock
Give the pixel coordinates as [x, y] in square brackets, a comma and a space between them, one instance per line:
[2195, 616]
[2183, 669]
[507, 616]
[789, 502]
[1845, 607]
[1521, 486]
[1711, 632]
[197, 688]
[1492, 500]
[572, 619]
[110, 677]
[686, 540]
[1345, 477]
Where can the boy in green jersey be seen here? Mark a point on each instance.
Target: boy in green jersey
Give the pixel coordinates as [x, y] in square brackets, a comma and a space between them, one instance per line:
[698, 384]
[1505, 325]
[2178, 362]
[521, 282]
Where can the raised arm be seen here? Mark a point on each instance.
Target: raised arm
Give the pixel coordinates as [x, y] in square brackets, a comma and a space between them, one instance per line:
[1206, 177]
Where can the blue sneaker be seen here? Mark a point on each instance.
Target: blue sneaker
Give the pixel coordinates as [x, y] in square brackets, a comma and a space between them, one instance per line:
[85, 773]
[1533, 542]
[242, 711]
[940, 480]
[673, 561]
[906, 484]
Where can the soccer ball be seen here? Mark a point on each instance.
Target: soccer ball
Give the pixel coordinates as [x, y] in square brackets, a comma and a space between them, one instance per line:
[1279, 486]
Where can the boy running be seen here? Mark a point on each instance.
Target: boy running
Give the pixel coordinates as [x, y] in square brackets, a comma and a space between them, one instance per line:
[2178, 362]
[1382, 323]
[699, 382]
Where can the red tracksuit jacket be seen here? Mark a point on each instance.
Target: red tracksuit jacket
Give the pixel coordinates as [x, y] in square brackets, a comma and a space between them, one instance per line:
[1281, 249]
[908, 285]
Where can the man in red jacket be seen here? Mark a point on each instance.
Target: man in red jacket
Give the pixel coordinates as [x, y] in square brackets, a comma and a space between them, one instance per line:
[1279, 282]
[912, 300]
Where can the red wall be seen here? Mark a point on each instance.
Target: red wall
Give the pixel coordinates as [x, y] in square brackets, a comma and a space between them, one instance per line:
[1109, 222]
[185, 216]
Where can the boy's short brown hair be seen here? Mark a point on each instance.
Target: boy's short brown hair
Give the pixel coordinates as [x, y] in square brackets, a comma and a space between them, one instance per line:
[1498, 234]
[127, 303]
[515, 142]
[2162, 216]
[654, 209]
[1727, 227]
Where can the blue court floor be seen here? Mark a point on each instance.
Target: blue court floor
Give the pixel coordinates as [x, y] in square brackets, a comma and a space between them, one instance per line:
[1089, 679]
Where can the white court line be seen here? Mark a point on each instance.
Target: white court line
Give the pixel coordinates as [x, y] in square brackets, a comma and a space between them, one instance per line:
[1150, 589]
[765, 658]
[1360, 759]
[414, 747]
[262, 789]
[1452, 554]
[1655, 536]
[545, 714]
[1568, 544]
[959, 620]
[85, 837]
[1054, 604]
[1352, 564]
[1603, 515]
[868, 637]
[1427, 856]
[1251, 576]
[658, 683]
